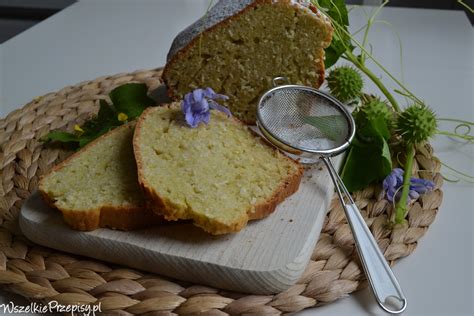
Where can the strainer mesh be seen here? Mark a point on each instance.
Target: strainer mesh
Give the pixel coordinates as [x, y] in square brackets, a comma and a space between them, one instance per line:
[304, 119]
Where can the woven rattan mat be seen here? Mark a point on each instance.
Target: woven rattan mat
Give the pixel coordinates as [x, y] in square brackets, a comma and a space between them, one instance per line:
[39, 273]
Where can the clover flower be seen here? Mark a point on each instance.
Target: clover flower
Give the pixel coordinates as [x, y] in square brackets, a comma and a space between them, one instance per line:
[197, 106]
[78, 129]
[122, 117]
[394, 181]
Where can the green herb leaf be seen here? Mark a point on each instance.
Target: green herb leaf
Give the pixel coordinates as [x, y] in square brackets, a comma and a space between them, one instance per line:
[106, 113]
[334, 51]
[63, 137]
[331, 126]
[131, 99]
[369, 158]
[105, 121]
[337, 11]
[366, 164]
[370, 130]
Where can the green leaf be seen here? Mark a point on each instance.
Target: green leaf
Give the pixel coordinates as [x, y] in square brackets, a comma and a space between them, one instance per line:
[105, 116]
[131, 99]
[105, 121]
[331, 126]
[366, 164]
[86, 139]
[63, 137]
[337, 11]
[91, 135]
[370, 130]
[106, 112]
[369, 157]
[332, 53]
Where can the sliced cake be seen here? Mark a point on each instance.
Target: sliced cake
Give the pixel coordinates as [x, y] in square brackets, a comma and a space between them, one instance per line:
[219, 174]
[238, 47]
[98, 185]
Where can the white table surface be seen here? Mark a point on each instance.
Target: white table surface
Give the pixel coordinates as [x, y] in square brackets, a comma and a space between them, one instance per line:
[94, 38]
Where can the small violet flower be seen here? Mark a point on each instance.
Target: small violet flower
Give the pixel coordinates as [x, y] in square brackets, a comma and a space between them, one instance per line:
[394, 181]
[197, 106]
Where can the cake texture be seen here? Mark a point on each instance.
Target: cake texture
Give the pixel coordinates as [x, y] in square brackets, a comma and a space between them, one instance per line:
[238, 47]
[220, 175]
[98, 185]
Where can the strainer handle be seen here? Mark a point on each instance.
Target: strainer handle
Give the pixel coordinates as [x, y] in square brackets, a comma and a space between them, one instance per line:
[277, 80]
[381, 278]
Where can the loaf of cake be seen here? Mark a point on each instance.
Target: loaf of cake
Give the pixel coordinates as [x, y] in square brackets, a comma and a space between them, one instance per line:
[238, 47]
[219, 175]
[98, 185]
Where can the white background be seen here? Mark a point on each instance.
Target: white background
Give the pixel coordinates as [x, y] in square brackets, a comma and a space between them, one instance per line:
[95, 38]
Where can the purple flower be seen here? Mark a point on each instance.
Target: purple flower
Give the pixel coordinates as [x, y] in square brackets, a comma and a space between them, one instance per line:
[394, 181]
[197, 106]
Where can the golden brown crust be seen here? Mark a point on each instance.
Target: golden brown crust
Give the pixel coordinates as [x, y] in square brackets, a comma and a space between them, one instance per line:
[153, 200]
[286, 188]
[319, 65]
[321, 72]
[128, 218]
[123, 218]
[165, 208]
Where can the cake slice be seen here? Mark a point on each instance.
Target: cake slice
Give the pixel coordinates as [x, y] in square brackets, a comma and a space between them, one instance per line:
[98, 185]
[238, 47]
[219, 175]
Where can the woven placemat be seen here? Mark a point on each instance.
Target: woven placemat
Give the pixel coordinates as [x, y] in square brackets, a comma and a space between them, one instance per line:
[44, 274]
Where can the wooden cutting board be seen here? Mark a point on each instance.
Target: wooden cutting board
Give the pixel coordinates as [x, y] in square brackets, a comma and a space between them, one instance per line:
[268, 256]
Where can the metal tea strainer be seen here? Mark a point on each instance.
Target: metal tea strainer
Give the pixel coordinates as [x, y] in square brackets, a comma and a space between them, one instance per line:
[314, 125]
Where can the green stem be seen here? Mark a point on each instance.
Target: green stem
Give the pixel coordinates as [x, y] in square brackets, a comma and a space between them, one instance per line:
[400, 209]
[466, 6]
[340, 30]
[374, 78]
[464, 137]
[455, 120]
[364, 41]
[457, 171]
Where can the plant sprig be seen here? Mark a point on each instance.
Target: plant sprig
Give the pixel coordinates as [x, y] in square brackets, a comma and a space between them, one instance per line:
[336, 15]
[359, 62]
[128, 102]
[465, 5]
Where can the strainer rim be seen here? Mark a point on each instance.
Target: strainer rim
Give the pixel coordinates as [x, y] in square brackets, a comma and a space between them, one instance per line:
[327, 96]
